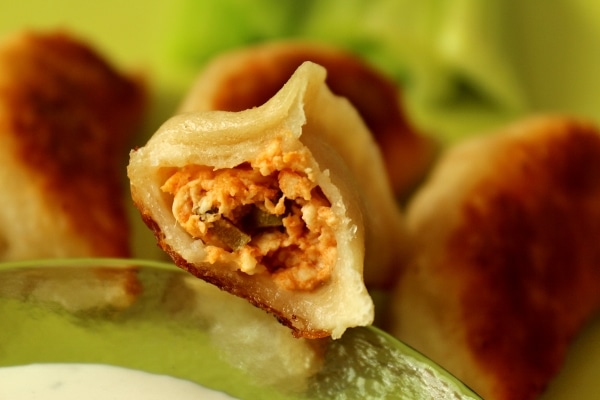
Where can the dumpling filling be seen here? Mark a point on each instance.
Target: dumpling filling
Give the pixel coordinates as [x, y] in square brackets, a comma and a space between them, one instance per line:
[269, 216]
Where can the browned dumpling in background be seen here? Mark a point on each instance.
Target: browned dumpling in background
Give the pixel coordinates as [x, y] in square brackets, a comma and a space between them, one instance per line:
[66, 118]
[247, 77]
[505, 264]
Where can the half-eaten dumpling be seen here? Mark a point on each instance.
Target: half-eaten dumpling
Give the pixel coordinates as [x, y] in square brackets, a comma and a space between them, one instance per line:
[276, 204]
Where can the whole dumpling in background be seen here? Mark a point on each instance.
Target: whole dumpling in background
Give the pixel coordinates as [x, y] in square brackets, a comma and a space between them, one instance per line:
[248, 76]
[504, 264]
[67, 116]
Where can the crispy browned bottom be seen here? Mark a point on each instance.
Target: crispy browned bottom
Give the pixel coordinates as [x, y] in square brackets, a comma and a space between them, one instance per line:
[532, 252]
[67, 115]
[507, 264]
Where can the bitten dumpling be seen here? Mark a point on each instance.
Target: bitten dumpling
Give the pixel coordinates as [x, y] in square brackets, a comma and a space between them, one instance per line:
[281, 204]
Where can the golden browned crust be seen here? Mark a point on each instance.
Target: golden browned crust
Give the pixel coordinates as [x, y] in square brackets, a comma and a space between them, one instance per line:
[249, 77]
[67, 116]
[506, 266]
[527, 250]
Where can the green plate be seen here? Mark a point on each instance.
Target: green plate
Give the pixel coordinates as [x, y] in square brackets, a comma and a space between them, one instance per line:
[153, 317]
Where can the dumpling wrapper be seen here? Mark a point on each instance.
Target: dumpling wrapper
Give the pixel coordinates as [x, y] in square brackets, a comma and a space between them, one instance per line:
[66, 117]
[319, 142]
[247, 77]
[505, 266]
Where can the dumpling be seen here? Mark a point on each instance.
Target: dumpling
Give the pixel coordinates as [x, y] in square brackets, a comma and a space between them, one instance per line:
[247, 77]
[66, 116]
[280, 204]
[505, 266]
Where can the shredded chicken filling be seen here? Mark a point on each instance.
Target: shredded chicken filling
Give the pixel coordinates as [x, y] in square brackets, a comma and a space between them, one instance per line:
[272, 221]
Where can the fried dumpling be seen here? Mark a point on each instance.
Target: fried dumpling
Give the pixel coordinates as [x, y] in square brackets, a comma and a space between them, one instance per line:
[247, 77]
[276, 204]
[66, 116]
[505, 268]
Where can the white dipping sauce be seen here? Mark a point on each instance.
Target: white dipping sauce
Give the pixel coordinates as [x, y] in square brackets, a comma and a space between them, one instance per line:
[96, 382]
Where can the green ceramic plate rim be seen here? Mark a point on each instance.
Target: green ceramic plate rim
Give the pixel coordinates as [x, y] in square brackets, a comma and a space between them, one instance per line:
[404, 348]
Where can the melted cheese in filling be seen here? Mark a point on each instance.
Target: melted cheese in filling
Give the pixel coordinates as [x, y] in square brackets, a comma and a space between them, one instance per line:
[269, 214]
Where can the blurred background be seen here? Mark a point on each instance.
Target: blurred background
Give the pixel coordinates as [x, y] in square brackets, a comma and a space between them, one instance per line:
[464, 66]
